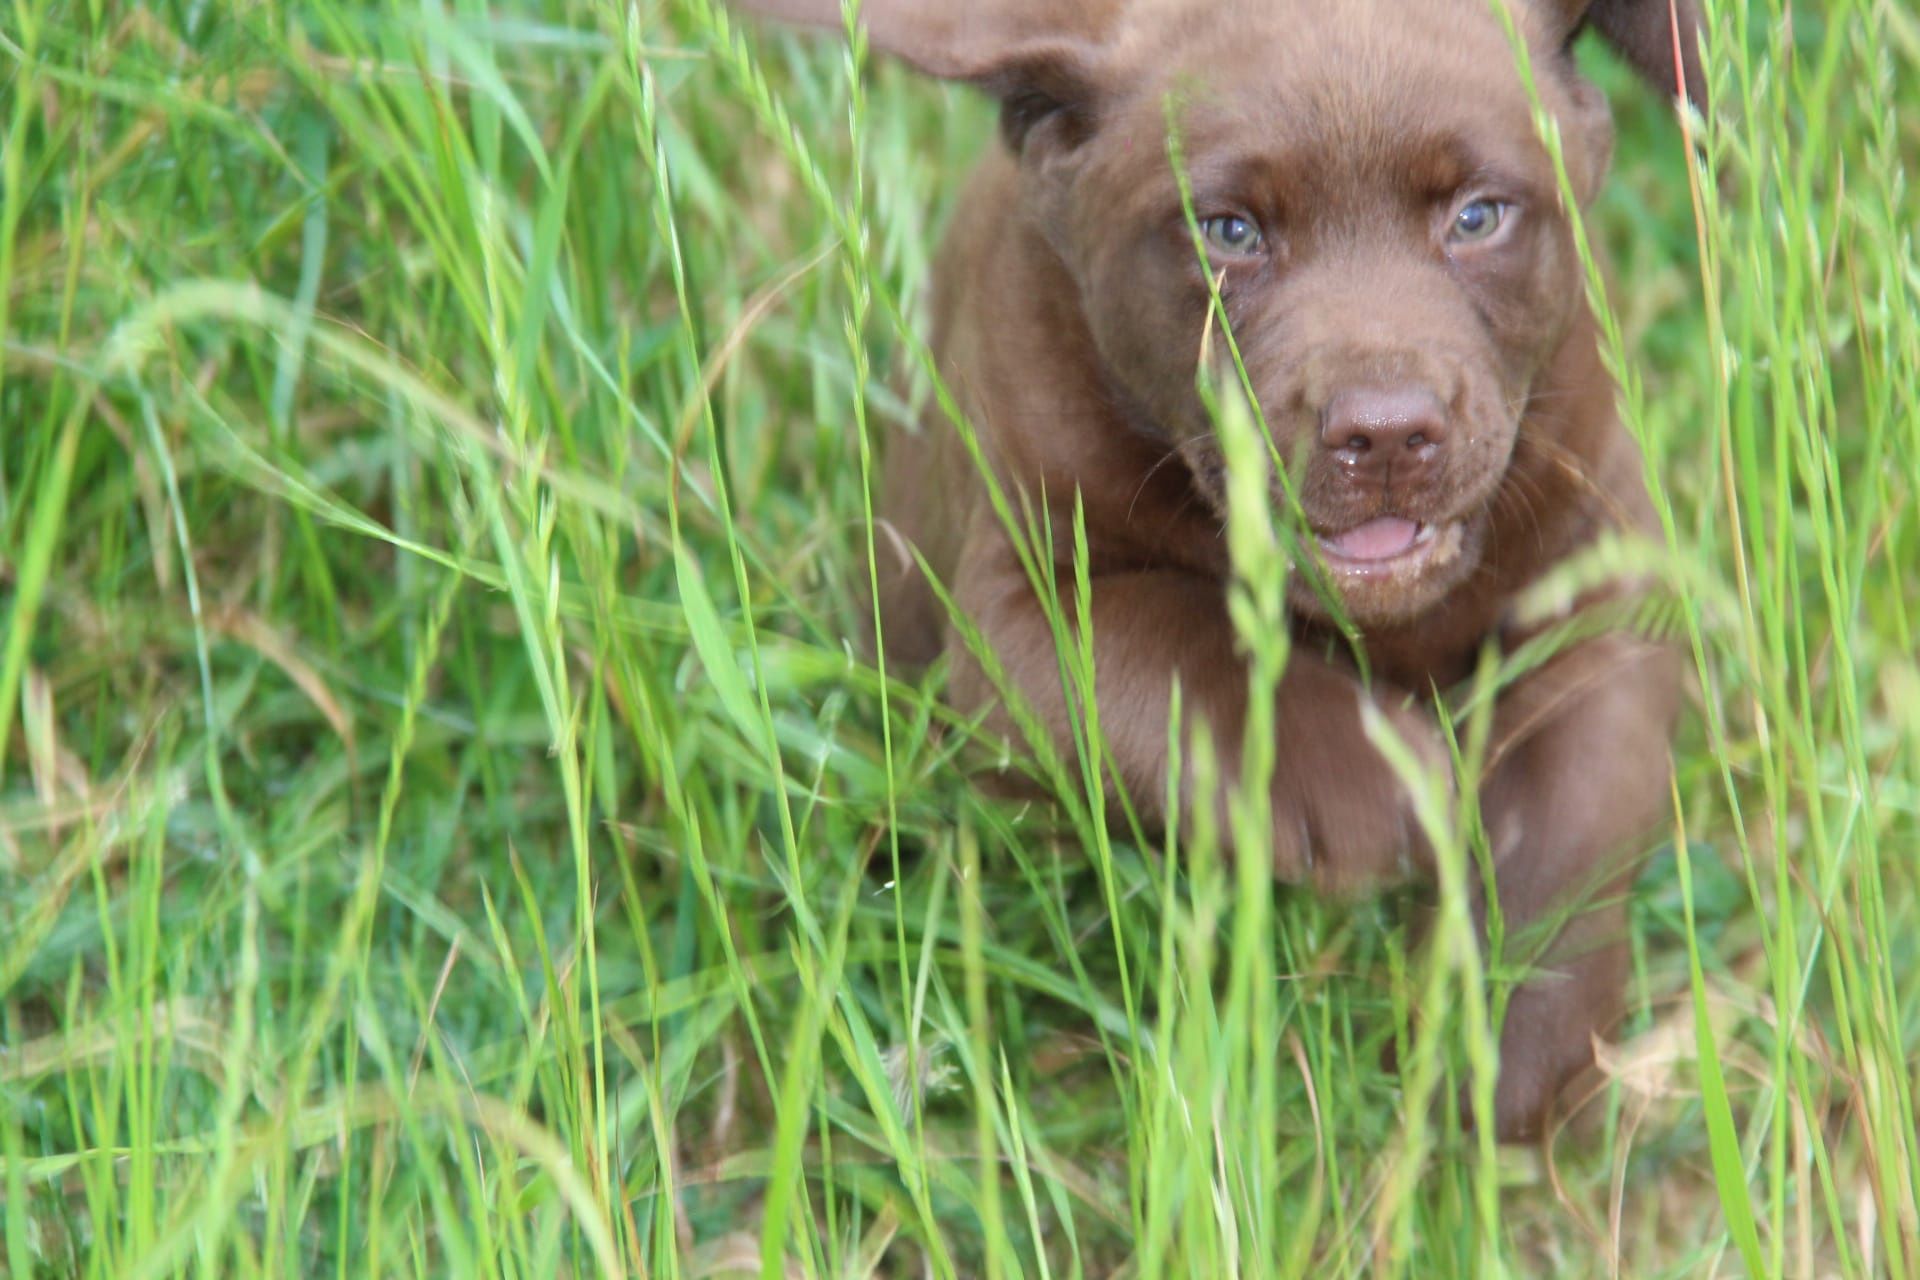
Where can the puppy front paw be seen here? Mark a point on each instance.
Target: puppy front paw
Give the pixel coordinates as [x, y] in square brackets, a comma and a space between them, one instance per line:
[1546, 1043]
[1343, 821]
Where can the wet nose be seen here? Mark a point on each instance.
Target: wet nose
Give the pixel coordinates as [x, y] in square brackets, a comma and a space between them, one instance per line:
[1376, 428]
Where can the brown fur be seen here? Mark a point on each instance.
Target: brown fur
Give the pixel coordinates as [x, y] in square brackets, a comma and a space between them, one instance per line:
[1411, 376]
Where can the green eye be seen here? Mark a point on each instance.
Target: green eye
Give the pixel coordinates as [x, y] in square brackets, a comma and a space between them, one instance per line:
[1477, 221]
[1232, 234]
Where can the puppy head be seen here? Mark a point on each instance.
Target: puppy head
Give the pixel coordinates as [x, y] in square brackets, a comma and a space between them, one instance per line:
[1384, 224]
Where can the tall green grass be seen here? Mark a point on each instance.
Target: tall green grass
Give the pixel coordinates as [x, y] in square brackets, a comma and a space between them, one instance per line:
[445, 827]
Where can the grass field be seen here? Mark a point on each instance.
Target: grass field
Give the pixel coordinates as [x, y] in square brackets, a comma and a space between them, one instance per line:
[445, 828]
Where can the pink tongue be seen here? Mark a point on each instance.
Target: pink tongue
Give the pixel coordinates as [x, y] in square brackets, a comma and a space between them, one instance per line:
[1376, 539]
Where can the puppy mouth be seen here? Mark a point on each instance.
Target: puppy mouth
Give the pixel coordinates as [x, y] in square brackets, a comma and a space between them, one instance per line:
[1389, 547]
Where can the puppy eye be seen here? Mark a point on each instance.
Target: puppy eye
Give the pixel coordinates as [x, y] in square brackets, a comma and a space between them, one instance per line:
[1232, 234]
[1477, 221]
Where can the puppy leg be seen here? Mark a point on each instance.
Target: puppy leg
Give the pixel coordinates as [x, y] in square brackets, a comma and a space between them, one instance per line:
[1340, 817]
[1578, 785]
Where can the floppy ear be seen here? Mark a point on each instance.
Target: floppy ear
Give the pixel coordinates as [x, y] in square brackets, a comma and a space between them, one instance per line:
[1644, 32]
[1040, 58]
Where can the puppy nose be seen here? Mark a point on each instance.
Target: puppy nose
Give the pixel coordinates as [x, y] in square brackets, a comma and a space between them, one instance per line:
[1379, 426]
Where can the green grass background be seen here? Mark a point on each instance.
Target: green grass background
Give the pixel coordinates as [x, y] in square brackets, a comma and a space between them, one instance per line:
[445, 828]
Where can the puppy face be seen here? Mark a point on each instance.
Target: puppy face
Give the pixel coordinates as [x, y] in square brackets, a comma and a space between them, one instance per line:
[1384, 224]
[1390, 246]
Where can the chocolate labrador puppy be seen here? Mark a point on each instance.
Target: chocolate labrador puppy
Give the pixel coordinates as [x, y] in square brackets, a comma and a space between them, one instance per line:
[1397, 267]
